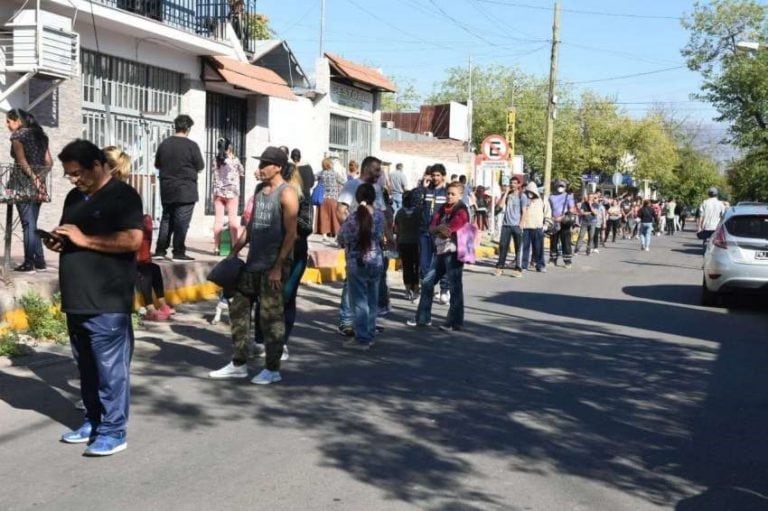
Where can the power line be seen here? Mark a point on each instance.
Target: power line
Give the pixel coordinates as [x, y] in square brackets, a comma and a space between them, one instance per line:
[459, 24]
[611, 78]
[578, 11]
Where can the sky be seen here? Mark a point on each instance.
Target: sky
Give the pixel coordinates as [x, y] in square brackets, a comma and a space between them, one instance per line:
[418, 40]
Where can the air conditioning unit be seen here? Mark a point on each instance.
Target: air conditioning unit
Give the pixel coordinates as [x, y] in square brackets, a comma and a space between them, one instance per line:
[46, 45]
[388, 124]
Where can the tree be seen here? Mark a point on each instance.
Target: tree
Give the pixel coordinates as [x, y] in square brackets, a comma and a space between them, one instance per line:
[406, 99]
[748, 177]
[257, 26]
[735, 83]
[692, 176]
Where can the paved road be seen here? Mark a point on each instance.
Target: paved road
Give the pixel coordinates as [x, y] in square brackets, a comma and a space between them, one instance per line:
[604, 387]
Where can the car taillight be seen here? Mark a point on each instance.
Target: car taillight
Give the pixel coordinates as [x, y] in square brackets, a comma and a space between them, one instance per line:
[718, 239]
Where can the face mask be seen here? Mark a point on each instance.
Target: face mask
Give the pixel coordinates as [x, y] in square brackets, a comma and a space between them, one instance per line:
[560, 189]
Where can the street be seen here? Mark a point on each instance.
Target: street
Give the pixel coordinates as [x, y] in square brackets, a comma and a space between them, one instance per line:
[604, 387]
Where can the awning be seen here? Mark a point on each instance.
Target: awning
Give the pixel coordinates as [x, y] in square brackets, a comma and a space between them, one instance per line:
[252, 78]
[361, 74]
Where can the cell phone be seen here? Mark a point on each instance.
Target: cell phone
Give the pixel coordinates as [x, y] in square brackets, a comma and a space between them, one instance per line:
[47, 235]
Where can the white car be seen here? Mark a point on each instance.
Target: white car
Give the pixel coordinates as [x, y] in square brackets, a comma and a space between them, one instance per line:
[736, 258]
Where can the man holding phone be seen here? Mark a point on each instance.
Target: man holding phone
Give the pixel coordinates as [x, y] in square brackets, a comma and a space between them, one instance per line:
[98, 236]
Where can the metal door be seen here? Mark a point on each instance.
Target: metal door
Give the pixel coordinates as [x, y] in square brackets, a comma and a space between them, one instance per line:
[225, 117]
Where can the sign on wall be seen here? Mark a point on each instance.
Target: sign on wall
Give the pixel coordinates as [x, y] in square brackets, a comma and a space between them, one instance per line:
[350, 97]
[495, 148]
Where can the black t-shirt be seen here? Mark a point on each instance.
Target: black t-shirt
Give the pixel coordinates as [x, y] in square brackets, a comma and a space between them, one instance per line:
[96, 282]
[179, 160]
[647, 216]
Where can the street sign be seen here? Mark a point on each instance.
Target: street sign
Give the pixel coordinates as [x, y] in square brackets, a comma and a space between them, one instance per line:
[495, 147]
[617, 179]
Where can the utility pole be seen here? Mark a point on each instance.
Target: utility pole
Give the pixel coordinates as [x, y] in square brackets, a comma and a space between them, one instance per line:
[469, 107]
[551, 104]
[322, 27]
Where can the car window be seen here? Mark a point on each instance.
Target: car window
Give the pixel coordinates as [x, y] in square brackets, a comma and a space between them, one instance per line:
[748, 226]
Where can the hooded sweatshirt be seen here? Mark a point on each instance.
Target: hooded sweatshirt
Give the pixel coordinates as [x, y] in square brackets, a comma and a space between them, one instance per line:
[535, 212]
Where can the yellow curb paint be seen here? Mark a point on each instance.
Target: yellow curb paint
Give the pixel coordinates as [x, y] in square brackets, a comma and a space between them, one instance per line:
[312, 276]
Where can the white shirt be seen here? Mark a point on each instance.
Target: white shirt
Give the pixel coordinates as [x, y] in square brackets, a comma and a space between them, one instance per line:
[711, 211]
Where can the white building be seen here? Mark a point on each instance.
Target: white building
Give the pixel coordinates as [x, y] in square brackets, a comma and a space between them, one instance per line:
[128, 67]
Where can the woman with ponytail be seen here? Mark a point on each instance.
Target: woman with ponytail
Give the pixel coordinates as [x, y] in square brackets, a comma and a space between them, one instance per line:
[226, 191]
[29, 149]
[361, 236]
[119, 161]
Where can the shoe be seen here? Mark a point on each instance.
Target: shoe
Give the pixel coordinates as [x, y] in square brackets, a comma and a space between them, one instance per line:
[595, 251]
[346, 331]
[155, 315]
[183, 257]
[167, 310]
[567, 266]
[80, 435]
[354, 344]
[41, 267]
[230, 371]
[445, 297]
[541, 270]
[25, 268]
[498, 272]
[450, 328]
[413, 322]
[517, 274]
[158, 255]
[285, 356]
[258, 350]
[106, 445]
[647, 249]
[265, 377]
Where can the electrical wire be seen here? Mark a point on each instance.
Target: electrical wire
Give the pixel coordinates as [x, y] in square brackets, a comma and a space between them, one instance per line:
[579, 11]
[459, 24]
[612, 78]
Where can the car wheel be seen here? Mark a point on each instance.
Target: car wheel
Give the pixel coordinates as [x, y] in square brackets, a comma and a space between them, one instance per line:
[708, 298]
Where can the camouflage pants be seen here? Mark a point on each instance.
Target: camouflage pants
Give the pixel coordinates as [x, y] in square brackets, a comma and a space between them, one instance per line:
[253, 285]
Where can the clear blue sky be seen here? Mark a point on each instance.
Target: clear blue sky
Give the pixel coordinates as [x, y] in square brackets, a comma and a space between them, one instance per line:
[414, 39]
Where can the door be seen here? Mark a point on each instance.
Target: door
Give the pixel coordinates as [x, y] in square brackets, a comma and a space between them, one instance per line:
[225, 117]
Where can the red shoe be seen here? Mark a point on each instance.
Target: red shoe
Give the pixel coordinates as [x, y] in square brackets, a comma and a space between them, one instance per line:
[156, 315]
[167, 310]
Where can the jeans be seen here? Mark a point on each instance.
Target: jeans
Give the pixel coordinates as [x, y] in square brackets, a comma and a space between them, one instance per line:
[363, 283]
[585, 231]
[670, 226]
[514, 233]
[175, 222]
[397, 201]
[561, 244]
[33, 246]
[533, 239]
[449, 266]
[597, 237]
[426, 250]
[646, 233]
[102, 345]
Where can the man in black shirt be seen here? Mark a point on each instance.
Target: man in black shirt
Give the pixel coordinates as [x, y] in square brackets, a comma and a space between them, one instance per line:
[178, 161]
[98, 236]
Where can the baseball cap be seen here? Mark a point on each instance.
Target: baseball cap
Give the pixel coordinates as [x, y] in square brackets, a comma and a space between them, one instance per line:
[273, 155]
[712, 190]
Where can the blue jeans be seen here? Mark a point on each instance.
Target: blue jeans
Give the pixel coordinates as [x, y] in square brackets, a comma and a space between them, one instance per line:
[448, 266]
[397, 201]
[102, 345]
[33, 246]
[585, 231]
[363, 283]
[426, 250]
[646, 232]
[346, 316]
[533, 239]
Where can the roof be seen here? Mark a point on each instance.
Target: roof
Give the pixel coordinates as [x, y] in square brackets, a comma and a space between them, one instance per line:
[361, 74]
[438, 149]
[276, 55]
[253, 78]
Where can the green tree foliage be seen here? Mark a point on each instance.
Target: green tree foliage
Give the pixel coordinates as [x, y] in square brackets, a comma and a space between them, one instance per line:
[748, 177]
[258, 26]
[692, 176]
[406, 99]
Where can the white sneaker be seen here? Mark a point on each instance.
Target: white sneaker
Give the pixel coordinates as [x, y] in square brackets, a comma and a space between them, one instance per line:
[595, 251]
[230, 371]
[285, 356]
[445, 297]
[265, 377]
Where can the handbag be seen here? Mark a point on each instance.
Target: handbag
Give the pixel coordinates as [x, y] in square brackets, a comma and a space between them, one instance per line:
[226, 274]
[318, 194]
[568, 219]
[466, 238]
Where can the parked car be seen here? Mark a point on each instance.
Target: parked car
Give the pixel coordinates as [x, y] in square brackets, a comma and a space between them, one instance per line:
[736, 259]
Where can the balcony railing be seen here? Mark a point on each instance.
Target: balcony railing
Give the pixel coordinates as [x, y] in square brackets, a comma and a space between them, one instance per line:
[205, 18]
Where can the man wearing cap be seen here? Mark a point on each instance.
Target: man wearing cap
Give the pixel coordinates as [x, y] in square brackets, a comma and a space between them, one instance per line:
[711, 211]
[561, 203]
[273, 224]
